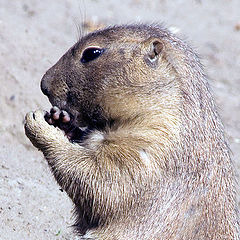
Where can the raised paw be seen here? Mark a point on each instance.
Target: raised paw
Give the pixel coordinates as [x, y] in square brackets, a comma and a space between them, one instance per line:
[40, 133]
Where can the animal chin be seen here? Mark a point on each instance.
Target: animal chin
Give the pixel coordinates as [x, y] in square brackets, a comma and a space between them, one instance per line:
[77, 134]
[76, 131]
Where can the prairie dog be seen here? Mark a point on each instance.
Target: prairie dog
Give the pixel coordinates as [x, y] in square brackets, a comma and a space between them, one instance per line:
[135, 140]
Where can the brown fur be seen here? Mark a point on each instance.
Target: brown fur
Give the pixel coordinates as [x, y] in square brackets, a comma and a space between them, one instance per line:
[155, 164]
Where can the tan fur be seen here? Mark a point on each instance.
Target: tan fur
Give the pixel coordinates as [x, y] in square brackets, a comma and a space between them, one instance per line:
[159, 166]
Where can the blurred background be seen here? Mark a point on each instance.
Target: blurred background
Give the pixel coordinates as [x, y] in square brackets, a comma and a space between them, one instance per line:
[34, 34]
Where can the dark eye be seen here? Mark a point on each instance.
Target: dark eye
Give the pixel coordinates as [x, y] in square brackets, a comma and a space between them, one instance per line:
[90, 54]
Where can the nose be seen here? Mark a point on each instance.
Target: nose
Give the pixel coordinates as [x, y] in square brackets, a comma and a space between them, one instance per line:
[44, 86]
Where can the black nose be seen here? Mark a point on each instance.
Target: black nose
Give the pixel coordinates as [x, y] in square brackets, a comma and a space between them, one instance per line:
[44, 87]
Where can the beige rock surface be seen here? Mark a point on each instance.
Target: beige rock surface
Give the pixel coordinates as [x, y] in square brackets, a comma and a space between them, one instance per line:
[34, 34]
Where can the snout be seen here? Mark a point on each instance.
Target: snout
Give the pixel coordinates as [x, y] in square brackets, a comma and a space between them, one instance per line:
[54, 86]
[45, 85]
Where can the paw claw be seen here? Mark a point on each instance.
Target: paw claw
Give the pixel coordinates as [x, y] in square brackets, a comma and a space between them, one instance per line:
[56, 115]
[38, 115]
[65, 117]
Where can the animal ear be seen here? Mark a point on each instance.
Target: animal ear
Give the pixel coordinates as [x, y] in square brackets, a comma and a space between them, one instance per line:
[155, 50]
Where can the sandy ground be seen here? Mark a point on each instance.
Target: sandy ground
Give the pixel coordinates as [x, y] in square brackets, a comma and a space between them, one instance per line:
[34, 34]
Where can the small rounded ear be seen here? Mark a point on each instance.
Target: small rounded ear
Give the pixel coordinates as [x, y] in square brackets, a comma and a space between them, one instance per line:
[155, 48]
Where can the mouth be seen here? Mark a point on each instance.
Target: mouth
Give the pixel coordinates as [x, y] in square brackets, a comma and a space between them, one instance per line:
[67, 123]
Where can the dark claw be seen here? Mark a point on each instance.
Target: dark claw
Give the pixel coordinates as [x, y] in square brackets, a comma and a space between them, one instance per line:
[54, 109]
[48, 118]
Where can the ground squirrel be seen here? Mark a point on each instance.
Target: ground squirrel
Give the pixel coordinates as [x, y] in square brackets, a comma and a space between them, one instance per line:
[135, 140]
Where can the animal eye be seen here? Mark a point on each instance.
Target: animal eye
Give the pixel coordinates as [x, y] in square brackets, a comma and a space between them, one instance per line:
[90, 54]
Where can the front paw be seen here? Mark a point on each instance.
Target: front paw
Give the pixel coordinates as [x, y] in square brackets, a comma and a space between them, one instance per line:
[40, 133]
